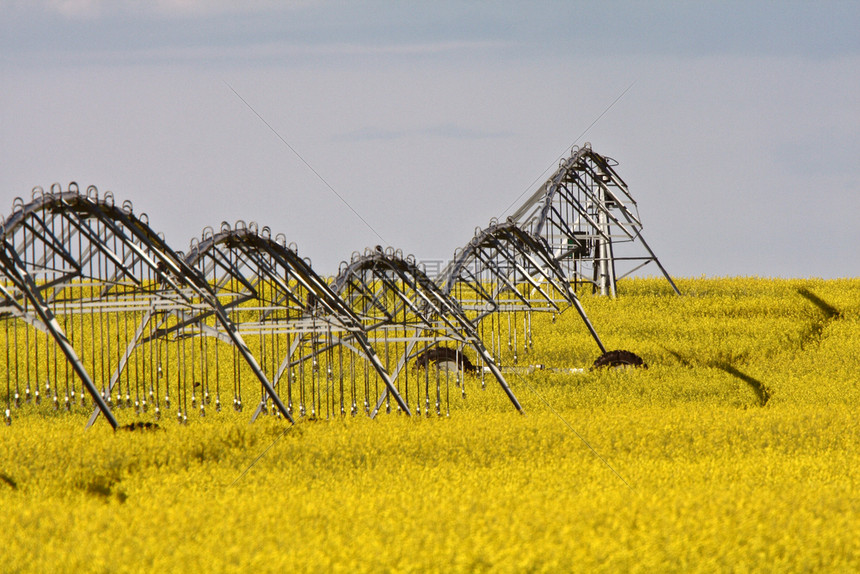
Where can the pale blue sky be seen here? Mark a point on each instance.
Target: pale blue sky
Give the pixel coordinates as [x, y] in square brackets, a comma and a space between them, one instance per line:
[739, 135]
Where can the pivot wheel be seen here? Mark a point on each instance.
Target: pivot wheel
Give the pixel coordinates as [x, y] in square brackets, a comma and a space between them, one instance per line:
[445, 359]
[617, 359]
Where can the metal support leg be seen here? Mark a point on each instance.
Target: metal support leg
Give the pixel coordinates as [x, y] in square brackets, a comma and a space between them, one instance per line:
[13, 269]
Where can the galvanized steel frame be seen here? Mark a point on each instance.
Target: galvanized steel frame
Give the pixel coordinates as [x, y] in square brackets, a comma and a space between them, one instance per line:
[585, 212]
[299, 302]
[66, 239]
[506, 269]
[390, 292]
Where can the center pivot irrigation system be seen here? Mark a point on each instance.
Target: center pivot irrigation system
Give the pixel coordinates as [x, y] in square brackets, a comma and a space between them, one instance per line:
[98, 312]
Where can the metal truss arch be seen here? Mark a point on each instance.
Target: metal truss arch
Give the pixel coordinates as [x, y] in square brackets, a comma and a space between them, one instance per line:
[507, 269]
[276, 299]
[397, 301]
[87, 273]
[250, 256]
[67, 254]
[591, 222]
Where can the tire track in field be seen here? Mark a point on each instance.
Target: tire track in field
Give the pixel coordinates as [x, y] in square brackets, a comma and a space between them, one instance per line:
[812, 335]
[829, 312]
[760, 389]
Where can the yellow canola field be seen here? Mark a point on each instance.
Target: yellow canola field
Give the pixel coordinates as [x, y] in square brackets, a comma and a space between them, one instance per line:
[736, 450]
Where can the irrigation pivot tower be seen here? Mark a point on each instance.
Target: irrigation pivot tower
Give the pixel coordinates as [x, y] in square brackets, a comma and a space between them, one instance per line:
[591, 222]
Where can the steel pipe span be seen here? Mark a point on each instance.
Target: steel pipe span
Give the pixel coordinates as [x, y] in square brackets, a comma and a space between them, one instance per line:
[97, 304]
[87, 279]
[586, 214]
[299, 328]
[401, 307]
[507, 270]
[98, 311]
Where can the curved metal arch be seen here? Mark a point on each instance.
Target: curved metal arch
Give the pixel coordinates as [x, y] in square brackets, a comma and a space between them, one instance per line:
[376, 287]
[68, 254]
[79, 211]
[267, 285]
[505, 268]
[583, 164]
[251, 257]
[387, 291]
[586, 213]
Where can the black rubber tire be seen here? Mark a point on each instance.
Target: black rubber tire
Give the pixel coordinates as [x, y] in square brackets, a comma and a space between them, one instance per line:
[438, 355]
[619, 358]
[140, 425]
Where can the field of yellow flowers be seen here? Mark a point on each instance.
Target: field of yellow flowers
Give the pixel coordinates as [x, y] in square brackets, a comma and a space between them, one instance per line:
[736, 449]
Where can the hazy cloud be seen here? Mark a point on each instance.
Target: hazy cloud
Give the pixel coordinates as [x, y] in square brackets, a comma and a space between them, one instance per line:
[441, 131]
[738, 139]
[95, 9]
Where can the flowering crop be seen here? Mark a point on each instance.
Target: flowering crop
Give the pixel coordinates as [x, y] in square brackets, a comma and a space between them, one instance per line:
[677, 467]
